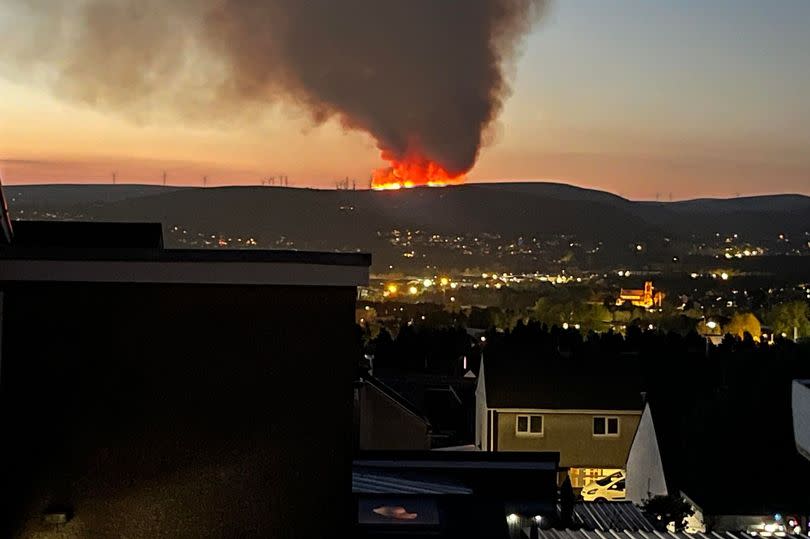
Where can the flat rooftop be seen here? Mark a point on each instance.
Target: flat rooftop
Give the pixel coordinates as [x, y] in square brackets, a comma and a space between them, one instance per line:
[134, 252]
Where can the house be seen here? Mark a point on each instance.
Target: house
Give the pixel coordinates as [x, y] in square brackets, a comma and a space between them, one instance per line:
[738, 475]
[385, 420]
[452, 493]
[588, 414]
[801, 416]
[152, 392]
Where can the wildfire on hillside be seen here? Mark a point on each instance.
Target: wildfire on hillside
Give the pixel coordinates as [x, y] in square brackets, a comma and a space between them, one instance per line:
[413, 171]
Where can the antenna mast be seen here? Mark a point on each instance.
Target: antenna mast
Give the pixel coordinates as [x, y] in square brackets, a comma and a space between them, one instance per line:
[8, 230]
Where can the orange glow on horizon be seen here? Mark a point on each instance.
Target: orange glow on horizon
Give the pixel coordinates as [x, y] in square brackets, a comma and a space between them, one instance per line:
[414, 171]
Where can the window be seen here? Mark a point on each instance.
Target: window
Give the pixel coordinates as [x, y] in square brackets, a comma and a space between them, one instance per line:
[529, 425]
[619, 485]
[605, 426]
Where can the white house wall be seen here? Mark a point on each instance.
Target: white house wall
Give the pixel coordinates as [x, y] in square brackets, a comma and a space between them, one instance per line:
[481, 415]
[645, 470]
[801, 416]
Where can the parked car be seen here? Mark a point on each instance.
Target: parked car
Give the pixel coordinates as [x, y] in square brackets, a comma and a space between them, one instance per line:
[608, 488]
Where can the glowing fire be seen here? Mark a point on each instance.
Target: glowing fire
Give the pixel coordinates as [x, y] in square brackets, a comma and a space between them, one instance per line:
[413, 172]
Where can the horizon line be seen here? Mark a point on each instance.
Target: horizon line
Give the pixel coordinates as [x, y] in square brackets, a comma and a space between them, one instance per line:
[160, 185]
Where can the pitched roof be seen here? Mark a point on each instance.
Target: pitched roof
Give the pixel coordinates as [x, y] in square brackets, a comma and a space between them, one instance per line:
[734, 455]
[367, 379]
[561, 385]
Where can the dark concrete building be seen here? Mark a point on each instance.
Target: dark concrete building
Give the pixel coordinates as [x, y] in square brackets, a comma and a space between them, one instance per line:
[453, 493]
[148, 392]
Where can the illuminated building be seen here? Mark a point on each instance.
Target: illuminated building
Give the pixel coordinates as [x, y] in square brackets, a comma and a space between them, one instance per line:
[646, 297]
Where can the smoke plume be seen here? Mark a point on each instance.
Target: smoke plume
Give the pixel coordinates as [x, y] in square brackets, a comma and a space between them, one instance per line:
[424, 77]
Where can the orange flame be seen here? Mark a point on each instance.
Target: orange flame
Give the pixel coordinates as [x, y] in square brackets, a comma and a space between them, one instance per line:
[411, 172]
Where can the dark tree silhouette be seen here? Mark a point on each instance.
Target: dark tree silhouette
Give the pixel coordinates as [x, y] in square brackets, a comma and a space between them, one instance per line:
[661, 510]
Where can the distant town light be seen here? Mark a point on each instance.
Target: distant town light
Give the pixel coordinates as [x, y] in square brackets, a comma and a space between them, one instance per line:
[711, 324]
[427, 283]
[621, 273]
[484, 275]
[565, 325]
[392, 288]
[452, 298]
[444, 281]
[724, 276]
[483, 339]
[453, 285]
[413, 290]
[639, 247]
[694, 275]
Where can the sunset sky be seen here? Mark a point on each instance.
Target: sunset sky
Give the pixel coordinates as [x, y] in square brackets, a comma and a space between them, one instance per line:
[642, 98]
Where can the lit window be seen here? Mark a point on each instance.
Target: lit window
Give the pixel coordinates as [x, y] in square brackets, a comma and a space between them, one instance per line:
[529, 425]
[605, 426]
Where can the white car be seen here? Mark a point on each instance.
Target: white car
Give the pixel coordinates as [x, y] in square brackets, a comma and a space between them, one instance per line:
[605, 489]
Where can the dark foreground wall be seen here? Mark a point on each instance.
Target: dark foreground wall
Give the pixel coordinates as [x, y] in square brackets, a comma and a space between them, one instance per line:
[176, 411]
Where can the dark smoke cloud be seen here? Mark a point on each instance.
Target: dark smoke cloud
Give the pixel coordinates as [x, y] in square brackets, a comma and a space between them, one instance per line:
[421, 76]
